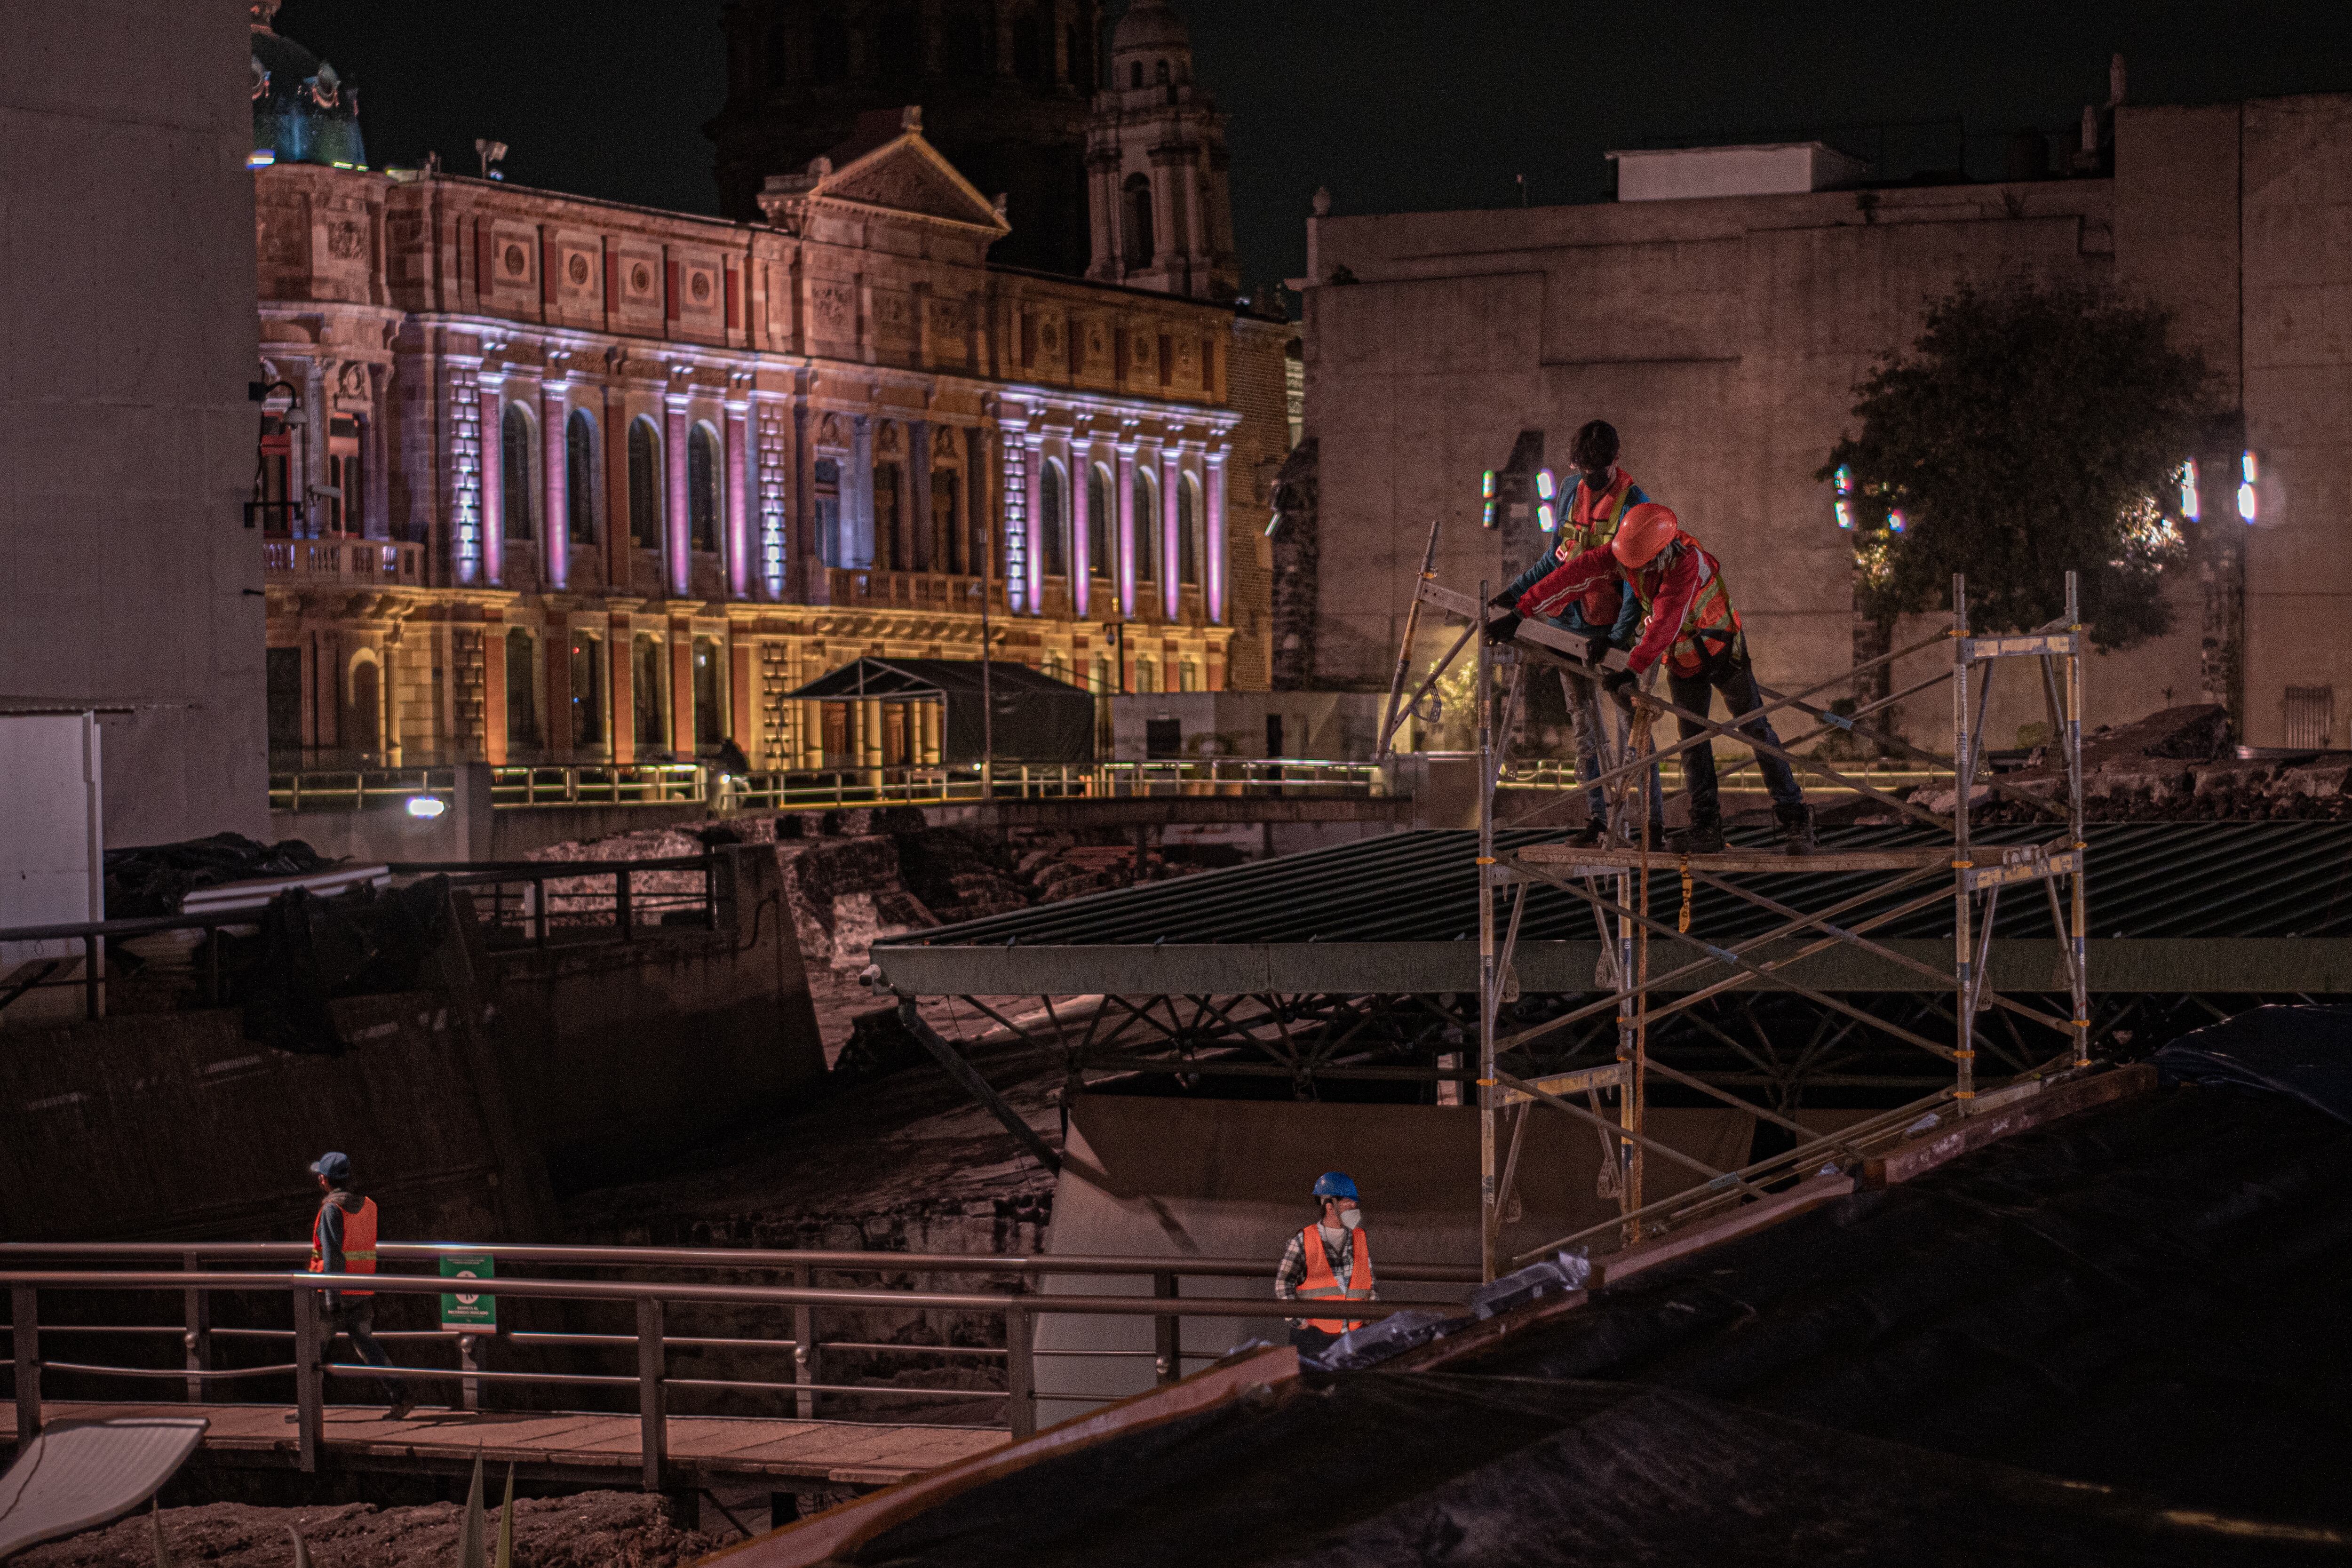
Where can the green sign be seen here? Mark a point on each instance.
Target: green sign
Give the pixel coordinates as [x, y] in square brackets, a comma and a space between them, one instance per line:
[469, 1310]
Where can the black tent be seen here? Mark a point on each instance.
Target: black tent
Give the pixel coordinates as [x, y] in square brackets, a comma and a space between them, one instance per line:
[1039, 718]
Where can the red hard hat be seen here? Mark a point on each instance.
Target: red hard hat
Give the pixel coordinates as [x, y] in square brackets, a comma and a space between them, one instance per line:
[1647, 528]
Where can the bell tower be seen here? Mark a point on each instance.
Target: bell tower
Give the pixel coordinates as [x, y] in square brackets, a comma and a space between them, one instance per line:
[1155, 166]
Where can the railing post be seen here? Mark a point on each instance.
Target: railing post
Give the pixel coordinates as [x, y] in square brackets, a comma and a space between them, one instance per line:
[538, 908]
[803, 1349]
[197, 1339]
[1167, 1332]
[652, 1428]
[620, 913]
[469, 1389]
[309, 1381]
[24, 1325]
[1019, 1372]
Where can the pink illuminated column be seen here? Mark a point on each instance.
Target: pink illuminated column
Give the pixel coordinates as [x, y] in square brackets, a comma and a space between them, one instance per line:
[494, 480]
[1214, 526]
[555, 567]
[1125, 501]
[673, 457]
[1033, 559]
[739, 534]
[1082, 566]
[1171, 590]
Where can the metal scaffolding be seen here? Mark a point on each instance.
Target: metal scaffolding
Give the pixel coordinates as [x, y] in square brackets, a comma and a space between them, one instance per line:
[1615, 878]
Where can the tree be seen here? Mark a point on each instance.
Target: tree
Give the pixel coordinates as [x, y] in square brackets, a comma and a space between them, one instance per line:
[2030, 431]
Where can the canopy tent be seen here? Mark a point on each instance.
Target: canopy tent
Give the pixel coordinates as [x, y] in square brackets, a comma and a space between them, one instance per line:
[1039, 718]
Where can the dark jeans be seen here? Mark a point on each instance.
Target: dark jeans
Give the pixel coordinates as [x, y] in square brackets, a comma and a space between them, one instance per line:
[1730, 673]
[354, 1316]
[1585, 721]
[1312, 1341]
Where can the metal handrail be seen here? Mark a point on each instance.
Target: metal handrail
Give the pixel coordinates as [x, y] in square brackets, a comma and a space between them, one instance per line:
[650, 1298]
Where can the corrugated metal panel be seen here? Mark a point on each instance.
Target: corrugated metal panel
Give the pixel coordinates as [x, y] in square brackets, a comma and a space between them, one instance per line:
[2147, 879]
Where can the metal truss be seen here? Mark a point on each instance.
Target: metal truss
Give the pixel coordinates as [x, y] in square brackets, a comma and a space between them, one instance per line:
[1615, 879]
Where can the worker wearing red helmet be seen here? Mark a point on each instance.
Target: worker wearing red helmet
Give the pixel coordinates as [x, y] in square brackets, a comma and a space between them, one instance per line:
[1689, 622]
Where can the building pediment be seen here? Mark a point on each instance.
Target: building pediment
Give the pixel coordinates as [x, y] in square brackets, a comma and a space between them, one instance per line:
[886, 167]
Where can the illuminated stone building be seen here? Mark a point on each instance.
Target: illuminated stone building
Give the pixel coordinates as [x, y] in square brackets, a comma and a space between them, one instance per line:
[587, 482]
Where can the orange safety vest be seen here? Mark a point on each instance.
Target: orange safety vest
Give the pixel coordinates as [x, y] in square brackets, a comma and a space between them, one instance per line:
[358, 1244]
[1710, 611]
[1599, 528]
[1321, 1285]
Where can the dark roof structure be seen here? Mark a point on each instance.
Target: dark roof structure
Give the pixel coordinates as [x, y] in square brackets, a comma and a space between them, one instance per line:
[1037, 718]
[2173, 907]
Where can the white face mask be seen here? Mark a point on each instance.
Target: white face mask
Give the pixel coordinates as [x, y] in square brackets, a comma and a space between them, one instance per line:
[1353, 1218]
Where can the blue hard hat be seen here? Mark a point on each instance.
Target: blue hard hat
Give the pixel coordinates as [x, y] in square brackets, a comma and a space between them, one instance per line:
[1335, 1185]
[334, 1167]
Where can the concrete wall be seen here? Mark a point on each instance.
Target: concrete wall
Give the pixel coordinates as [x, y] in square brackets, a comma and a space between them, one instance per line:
[1329, 726]
[127, 337]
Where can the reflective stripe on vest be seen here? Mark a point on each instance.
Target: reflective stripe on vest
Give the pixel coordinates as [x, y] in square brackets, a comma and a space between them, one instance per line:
[358, 1243]
[1710, 611]
[1576, 538]
[1322, 1285]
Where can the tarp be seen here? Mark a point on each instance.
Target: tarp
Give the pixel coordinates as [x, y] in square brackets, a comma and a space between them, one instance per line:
[76, 1475]
[1154, 1177]
[1039, 718]
[2305, 1052]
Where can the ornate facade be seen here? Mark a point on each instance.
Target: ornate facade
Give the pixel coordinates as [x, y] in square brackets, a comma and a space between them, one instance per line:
[1155, 166]
[576, 481]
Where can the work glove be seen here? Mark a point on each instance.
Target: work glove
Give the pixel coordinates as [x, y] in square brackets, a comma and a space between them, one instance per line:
[1617, 683]
[1596, 649]
[1503, 629]
[1506, 600]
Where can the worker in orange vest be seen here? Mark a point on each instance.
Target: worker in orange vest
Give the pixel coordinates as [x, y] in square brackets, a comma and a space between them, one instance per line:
[1330, 1250]
[342, 1241]
[1689, 622]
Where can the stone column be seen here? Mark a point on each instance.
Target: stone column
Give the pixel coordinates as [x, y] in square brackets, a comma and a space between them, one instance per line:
[857, 496]
[494, 693]
[494, 480]
[1213, 525]
[1125, 501]
[1081, 520]
[918, 493]
[555, 563]
[806, 556]
[312, 470]
[1171, 590]
[620, 562]
[1033, 444]
[738, 527]
[621, 689]
[681, 562]
[681, 692]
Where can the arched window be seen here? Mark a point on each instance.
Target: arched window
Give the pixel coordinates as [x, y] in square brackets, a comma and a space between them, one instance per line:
[829, 48]
[587, 689]
[523, 689]
[709, 715]
[649, 680]
[1136, 210]
[946, 492]
[363, 731]
[580, 477]
[889, 553]
[1146, 525]
[1188, 529]
[645, 485]
[702, 501]
[1101, 553]
[518, 448]
[1158, 73]
[1053, 518]
[828, 512]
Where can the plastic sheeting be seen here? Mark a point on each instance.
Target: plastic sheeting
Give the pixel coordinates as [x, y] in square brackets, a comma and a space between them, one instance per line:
[152, 878]
[310, 950]
[2305, 1052]
[1362, 1468]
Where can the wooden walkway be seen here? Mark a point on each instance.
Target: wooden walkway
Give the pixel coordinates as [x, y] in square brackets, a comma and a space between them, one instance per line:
[702, 1449]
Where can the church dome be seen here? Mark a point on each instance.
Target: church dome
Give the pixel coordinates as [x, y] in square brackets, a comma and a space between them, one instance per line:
[302, 111]
[1151, 26]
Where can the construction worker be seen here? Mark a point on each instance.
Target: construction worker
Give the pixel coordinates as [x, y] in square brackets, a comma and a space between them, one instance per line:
[342, 1241]
[1689, 622]
[1604, 614]
[1329, 1249]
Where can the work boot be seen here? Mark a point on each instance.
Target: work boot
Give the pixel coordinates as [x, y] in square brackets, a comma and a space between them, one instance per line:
[397, 1410]
[1796, 827]
[1703, 837]
[1590, 834]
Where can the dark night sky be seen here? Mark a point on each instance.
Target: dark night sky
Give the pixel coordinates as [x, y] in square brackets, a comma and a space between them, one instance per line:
[1393, 106]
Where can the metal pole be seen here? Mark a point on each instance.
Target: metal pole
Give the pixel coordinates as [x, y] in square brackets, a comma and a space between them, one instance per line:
[309, 1382]
[1488, 1239]
[1404, 651]
[803, 1350]
[24, 1326]
[1019, 1372]
[651, 1367]
[1168, 1334]
[196, 1340]
[2073, 739]
[469, 1390]
[1963, 773]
